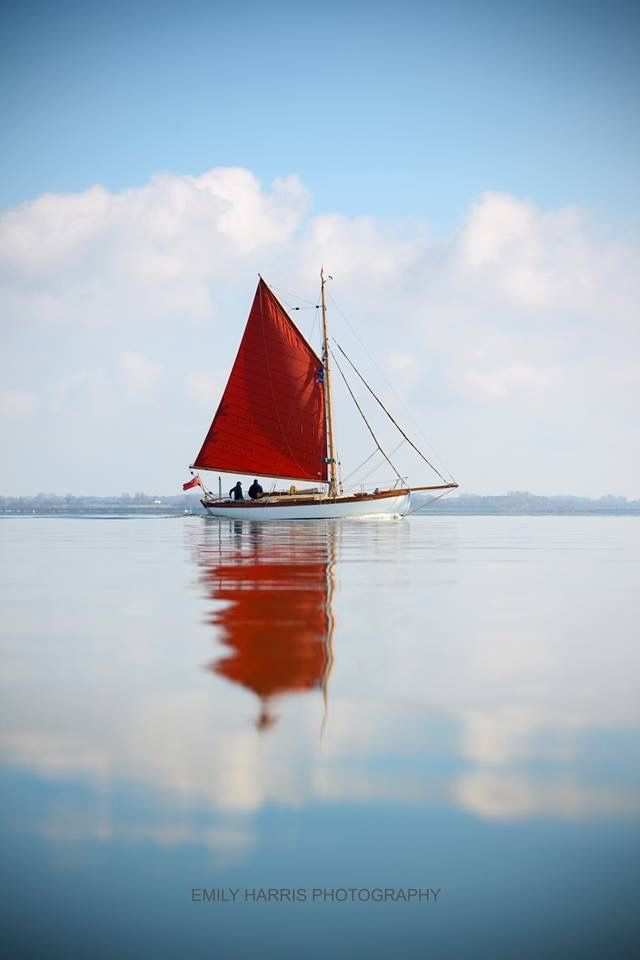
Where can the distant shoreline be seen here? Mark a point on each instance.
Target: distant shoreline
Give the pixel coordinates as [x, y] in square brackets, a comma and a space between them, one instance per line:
[519, 503]
[173, 514]
[453, 509]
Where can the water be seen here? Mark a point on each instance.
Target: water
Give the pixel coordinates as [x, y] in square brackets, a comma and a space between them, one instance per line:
[435, 704]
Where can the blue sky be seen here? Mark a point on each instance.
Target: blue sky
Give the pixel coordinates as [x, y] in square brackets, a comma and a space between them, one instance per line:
[538, 99]
[468, 171]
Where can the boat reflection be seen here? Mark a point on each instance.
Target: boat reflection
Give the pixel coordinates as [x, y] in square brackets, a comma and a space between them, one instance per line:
[277, 586]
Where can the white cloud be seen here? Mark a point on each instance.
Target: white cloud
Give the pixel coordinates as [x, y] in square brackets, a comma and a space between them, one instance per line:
[17, 403]
[502, 382]
[252, 218]
[521, 313]
[146, 252]
[89, 389]
[361, 250]
[205, 389]
[140, 374]
[533, 258]
[400, 361]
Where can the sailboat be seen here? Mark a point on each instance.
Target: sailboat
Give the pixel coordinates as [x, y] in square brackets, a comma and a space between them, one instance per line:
[275, 420]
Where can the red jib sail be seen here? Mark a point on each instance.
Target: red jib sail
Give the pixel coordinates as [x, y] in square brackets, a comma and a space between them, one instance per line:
[271, 419]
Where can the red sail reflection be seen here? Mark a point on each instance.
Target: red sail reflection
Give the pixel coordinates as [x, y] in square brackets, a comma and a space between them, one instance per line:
[277, 618]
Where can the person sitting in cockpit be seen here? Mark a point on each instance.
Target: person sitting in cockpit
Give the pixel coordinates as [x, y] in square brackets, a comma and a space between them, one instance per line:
[236, 492]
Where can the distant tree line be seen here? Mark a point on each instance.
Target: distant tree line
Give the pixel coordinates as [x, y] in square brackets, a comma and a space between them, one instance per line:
[524, 502]
[514, 502]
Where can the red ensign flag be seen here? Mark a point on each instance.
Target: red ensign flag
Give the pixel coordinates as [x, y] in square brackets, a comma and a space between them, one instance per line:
[194, 482]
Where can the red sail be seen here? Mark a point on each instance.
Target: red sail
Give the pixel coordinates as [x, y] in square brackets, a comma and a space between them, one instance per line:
[271, 419]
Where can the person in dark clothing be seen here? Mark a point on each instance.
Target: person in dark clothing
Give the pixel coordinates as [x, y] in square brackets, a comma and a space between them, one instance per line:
[255, 490]
[236, 492]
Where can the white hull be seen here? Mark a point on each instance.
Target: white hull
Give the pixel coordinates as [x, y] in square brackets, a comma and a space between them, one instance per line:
[395, 506]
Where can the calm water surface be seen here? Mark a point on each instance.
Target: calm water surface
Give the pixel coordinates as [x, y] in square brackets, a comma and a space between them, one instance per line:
[437, 703]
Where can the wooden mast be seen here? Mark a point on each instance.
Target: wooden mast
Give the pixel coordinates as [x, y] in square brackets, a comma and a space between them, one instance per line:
[333, 487]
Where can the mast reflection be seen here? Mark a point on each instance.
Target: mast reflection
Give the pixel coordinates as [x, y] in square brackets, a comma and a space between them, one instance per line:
[277, 621]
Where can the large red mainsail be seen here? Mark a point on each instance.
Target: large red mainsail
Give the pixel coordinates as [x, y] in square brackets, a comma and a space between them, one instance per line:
[271, 419]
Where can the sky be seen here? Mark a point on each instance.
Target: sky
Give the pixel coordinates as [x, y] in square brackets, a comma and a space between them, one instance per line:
[467, 172]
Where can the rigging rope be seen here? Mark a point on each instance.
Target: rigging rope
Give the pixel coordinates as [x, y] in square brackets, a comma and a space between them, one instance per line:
[366, 460]
[375, 439]
[294, 296]
[391, 387]
[374, 467]
[428, 503]
[394, 422]
[360, 465]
